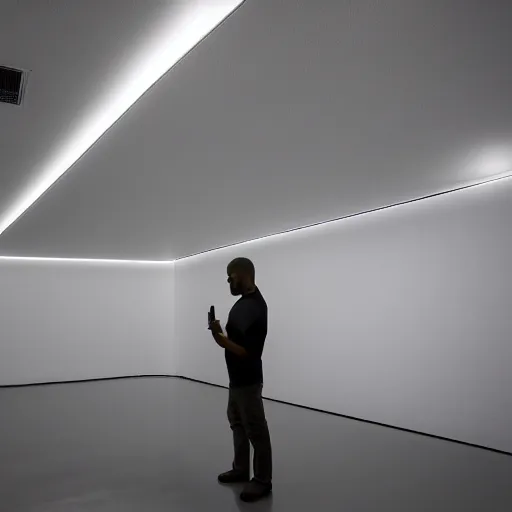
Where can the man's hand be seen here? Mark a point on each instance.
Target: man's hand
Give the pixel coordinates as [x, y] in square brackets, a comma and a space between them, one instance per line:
[224, 342]
[215, 327]
[217, 333]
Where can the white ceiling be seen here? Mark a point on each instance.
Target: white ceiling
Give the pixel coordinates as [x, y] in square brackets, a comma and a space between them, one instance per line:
[292, 112]
[74, 51]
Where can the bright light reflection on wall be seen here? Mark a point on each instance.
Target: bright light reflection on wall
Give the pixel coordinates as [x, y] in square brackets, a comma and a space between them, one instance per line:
[494, 162]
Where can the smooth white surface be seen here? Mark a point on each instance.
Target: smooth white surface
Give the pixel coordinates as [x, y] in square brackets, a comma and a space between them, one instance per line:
[292, 112]
[75, 320]
[400, 317]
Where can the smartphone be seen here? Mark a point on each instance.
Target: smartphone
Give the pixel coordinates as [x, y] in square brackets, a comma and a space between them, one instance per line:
[211, 315]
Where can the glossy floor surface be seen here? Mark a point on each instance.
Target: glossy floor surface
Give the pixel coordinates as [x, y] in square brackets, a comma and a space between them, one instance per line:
[155, 445]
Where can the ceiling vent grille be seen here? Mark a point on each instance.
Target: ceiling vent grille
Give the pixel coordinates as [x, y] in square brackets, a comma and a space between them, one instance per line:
[11, 85]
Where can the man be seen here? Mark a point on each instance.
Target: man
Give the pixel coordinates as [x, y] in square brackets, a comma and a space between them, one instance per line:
[246, 331]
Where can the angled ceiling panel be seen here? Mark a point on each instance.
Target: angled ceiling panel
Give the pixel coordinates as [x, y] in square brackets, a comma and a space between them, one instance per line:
[292, 112]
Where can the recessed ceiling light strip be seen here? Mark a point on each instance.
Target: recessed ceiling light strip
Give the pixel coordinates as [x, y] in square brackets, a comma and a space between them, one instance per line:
[274, 235]
[346, 217]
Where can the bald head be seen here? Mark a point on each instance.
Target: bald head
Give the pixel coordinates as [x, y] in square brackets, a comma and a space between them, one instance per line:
[241, 276]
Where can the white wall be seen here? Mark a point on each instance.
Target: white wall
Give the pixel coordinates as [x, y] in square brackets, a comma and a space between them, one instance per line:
[80, 320]
[401, 317]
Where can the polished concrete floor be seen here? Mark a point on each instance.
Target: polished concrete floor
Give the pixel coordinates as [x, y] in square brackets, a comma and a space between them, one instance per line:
[155, 445]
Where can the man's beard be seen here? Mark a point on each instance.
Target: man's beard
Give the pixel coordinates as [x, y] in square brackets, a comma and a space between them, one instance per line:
[234, 290]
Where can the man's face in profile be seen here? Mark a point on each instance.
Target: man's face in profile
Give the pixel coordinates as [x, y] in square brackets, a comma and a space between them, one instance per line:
[234, 284]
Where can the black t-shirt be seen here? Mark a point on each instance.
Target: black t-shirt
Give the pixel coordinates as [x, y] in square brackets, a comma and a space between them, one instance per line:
[247, 326]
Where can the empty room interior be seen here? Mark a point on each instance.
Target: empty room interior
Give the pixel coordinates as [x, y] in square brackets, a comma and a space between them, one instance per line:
[255, 255]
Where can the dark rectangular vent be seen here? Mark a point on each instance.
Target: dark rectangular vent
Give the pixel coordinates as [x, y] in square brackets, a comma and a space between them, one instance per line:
[11, 85]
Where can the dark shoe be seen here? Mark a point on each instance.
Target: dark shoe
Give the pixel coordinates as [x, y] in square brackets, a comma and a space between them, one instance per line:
[233, 477]
[255, 490]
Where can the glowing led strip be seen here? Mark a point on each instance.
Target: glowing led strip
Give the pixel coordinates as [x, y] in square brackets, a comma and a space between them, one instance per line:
[266, 237]
[84, 260]
[348, 217]
[271, 236]
[175, 38]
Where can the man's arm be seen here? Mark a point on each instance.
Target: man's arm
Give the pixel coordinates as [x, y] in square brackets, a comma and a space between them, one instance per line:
[226, 343]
